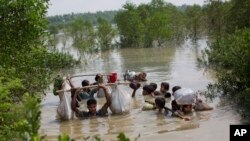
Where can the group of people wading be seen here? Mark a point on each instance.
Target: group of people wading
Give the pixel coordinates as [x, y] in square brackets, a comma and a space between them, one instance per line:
[184, 100]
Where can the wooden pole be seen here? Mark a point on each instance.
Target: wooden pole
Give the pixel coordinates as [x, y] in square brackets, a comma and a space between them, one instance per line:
[88, 75]
[91, 86]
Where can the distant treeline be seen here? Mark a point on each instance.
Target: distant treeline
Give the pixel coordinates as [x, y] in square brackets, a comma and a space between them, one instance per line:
[91, 17]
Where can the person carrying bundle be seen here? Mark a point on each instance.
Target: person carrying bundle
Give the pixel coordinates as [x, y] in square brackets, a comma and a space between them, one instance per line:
[118, 101]
[132, 76]
[99, 80]
[87, 93]
[160, 105]
[92, 105]
[185, 100]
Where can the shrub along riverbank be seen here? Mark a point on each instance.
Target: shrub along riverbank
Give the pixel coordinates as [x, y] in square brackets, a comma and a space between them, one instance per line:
[26, 67]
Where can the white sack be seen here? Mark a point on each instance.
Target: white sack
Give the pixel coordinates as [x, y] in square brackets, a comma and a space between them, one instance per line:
[120, 101]
[185, 96]
[101, 93]
[64, 110]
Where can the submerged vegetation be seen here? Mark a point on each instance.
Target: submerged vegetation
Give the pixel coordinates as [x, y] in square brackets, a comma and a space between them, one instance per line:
[27, 61]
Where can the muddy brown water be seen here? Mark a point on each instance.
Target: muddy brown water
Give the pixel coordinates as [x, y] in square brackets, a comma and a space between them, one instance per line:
[174, 64]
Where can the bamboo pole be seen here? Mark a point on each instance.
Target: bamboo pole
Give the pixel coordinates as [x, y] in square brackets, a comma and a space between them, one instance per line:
[87, 75]
[91, 86]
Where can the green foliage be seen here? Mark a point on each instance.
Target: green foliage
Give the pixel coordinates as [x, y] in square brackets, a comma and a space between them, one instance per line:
[105, 34]
[82, 33]
[22, 48]
[216, 17]
[25, 67]
[57, 84]
[130, 26]
[19, 120]
[148, 23]
[64, 137]
[230, 58]
[194, 20]
[90, 17]
[120, 137]
[238, 17]
[22, 24]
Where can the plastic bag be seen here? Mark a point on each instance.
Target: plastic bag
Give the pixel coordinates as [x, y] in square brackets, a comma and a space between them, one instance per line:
[64, 110]
[100, 92]
[120, 101]
[129, 75]
[185, 96]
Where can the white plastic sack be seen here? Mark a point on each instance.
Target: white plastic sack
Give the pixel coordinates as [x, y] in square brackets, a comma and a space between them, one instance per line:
[120, 101]
[185, 96]
[101, 93]
[64, 110]
[129, 74]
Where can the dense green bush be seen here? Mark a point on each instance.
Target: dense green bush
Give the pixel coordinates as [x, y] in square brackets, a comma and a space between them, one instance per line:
[18, 120]
[230, 57]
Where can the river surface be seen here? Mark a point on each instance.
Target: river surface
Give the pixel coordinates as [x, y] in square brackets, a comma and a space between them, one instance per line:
[176, 64]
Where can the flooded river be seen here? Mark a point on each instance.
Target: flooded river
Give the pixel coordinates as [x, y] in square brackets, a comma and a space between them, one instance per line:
[174, 64]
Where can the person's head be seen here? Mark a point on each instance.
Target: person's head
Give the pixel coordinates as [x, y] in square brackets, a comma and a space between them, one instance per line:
[153, 86]
[99, 78]
[85, 83]
[134, 85]
[164, 87]
[143, 74]
[160, 102]
[175, 88]
[145, 90]
[92, 104]
[187, 108]
[148, 89]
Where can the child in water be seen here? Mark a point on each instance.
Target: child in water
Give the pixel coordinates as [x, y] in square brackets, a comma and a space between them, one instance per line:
[87, 93]
[163, 90]
[149, 89]
[160, 105]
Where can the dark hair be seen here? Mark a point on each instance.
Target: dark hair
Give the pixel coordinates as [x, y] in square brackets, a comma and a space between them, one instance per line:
[165, 85]
[146, 88]
[85, 83]
[175, 88]
[134, 85]
[153, 86]
[160, 101]
[91, 101]
[144, 73]
[150, 88]
[98, 76]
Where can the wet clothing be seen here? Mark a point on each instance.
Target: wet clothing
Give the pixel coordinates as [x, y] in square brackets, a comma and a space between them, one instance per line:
[88, 94]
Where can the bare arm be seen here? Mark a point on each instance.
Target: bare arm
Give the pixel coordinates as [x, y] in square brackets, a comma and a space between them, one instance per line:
[70, 82]
[74, 102]
[134, 91]
[107, 96]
